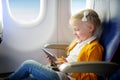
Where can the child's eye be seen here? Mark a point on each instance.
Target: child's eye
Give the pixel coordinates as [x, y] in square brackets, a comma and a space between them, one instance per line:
[76, 29]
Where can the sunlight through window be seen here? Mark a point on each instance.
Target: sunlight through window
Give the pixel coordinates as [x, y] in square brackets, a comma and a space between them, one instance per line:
[26, 11]
[77, 5]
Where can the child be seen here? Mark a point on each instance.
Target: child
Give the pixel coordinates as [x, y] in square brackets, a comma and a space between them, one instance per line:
[85, 47]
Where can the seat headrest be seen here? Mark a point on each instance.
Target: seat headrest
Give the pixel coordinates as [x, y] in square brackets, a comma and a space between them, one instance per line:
[110, 38]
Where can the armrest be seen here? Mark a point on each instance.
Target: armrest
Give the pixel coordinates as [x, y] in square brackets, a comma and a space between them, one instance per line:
[56, 46]
[101, 68]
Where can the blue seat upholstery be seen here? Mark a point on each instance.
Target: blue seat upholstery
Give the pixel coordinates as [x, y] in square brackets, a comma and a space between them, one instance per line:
[116, 59]
[115, 76]
[110, 37]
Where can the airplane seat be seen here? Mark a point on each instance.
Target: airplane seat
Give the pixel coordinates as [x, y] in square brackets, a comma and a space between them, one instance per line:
[116, 59]
[110, 39]
[115, 76]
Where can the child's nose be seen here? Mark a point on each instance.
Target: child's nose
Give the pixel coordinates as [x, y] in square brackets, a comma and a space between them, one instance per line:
[74, 32]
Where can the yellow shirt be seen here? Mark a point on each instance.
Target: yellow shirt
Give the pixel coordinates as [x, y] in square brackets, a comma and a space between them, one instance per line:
[90, 52]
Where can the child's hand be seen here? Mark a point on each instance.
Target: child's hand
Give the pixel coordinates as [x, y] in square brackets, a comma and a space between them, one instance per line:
[50, 61]
[61, 60]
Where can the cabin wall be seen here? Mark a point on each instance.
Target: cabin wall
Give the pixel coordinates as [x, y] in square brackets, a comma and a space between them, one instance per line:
[23, 42]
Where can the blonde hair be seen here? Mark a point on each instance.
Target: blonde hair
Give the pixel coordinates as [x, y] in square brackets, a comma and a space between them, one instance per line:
[92, 17]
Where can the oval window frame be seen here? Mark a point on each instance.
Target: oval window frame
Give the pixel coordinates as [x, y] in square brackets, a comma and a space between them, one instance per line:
[35, 21]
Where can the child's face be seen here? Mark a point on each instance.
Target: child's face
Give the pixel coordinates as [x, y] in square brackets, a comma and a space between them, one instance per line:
[82, 30]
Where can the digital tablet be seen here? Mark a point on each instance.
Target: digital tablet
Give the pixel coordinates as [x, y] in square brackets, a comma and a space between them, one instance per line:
[50, 55]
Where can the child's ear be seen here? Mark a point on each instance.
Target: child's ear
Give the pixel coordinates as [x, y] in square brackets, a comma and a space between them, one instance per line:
[91, 27]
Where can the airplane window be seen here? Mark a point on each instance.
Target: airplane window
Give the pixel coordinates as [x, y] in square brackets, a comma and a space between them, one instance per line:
[26, 11]
[77, 5]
